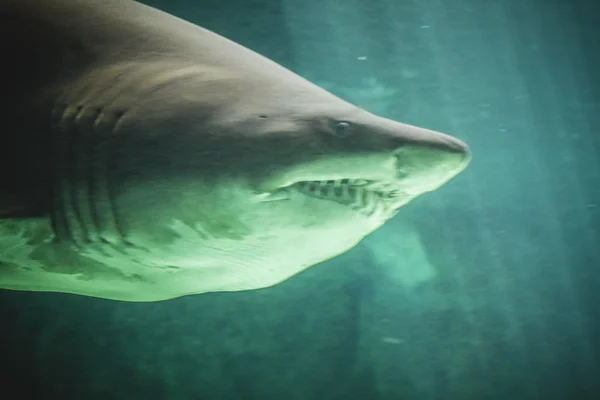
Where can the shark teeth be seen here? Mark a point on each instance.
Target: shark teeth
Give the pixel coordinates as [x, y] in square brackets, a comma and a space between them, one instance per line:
[365, 196]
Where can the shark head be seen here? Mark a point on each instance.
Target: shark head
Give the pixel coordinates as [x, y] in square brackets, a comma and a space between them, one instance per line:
[324, 159]
[272, 183]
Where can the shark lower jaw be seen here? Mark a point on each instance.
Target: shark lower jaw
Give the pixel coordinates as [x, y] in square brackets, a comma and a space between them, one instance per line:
[373, 199]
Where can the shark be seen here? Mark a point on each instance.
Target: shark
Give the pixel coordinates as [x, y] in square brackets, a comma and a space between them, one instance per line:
[145, 158]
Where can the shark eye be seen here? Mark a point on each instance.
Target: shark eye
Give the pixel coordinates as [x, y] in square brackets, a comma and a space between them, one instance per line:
[342, 129]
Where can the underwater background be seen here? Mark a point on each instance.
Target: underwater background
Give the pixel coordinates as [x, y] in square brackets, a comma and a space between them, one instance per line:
[488, 288]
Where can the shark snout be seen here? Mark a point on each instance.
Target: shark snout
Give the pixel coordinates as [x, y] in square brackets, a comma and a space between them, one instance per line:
[446, 144]
[429, 159]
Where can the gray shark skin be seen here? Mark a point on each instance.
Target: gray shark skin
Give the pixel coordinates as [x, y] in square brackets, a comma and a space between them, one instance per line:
[144, 158]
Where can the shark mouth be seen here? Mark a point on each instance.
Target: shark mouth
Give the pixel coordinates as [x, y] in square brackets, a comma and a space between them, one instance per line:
[371, 198]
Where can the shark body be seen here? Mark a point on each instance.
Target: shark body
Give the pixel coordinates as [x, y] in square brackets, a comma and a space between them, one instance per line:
[145, 158]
